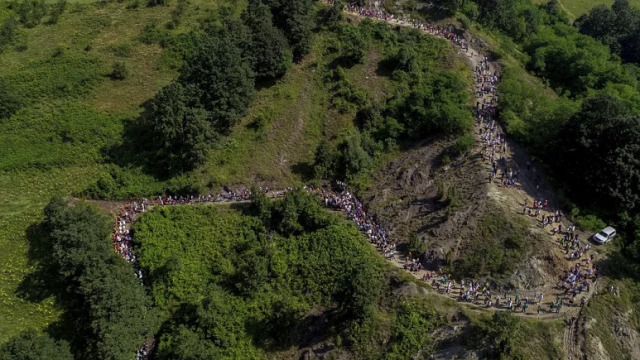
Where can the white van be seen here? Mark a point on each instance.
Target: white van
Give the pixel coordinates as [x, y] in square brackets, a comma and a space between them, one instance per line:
[605, 235]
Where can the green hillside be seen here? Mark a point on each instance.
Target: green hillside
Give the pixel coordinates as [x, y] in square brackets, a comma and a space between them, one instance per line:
[72, 117]
[104, 102]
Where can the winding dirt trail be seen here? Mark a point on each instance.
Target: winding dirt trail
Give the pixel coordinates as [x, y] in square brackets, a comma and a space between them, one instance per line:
[513, 199]
[532, 186]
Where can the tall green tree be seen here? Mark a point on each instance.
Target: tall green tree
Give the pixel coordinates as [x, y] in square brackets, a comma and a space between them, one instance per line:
[180, 129]
[353, 44]
[30, 345]
[615, 27]
[295, 18]
[109, 310]
[222, 79]
[271, 54]
[600, 148]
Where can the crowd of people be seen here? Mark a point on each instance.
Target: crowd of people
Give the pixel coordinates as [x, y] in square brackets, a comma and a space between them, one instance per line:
[448, 32]
[578, 278]
[495, 152]
[340, 198]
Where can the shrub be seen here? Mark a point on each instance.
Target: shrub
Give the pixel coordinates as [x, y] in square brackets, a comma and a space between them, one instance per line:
[122, 50]
[9, 104]
[8, 32]
[31, 345]
[587, 222]
[178, 12]
[56, 11]
[152, 34]
[496, 249]
[31, 12]
[463, 145]
[58, 51]
[119, 71]
[157, 2]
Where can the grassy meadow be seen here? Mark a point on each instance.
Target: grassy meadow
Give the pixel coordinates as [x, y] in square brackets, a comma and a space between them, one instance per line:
[72, 112]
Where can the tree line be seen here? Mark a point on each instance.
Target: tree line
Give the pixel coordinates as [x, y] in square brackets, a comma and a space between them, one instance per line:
[222, 63]
[617, 26]
[107, 314]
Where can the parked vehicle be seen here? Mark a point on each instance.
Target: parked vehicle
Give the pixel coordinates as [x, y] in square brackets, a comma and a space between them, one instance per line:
[605, 235]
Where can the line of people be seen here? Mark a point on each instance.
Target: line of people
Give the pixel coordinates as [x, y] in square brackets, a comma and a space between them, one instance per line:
[448, 32]
[494, 150]
[345, 201]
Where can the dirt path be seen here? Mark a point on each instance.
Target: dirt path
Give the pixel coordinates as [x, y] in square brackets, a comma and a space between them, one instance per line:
[572, 339]
[512, 199]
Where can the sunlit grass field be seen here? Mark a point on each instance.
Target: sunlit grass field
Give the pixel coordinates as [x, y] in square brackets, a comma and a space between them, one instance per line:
[55, 144]
[72, 110]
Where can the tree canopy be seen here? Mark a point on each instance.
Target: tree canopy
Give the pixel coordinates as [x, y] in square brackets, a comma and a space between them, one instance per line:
[269, 47]
[616, 26]
[30, 345]
[109, 309]
[222, 79]
[295, 19]
[181, 130]
[601, 153]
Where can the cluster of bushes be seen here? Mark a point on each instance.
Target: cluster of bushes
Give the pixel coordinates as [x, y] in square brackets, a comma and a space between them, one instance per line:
[428, 100]
[244, 284]
[31, 345]
[8, 32]
[497, 249]
[221, 65]
[31, 12]
[617, 26]
[103, 302]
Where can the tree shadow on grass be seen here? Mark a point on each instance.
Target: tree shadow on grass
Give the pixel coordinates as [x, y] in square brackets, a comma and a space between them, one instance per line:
[135, 148]
[304, 170]
[42, 283]
[288, 329]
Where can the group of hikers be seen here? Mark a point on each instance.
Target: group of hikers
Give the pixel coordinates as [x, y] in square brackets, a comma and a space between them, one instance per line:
[342, 199]
[448, 32]
[494, 150]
